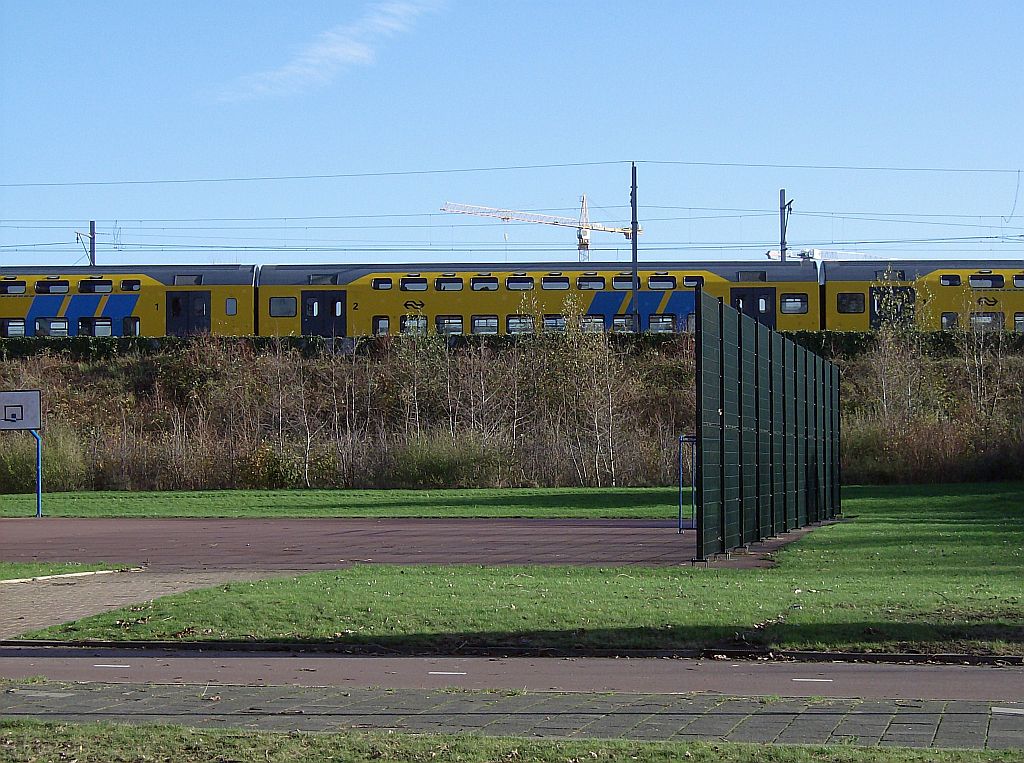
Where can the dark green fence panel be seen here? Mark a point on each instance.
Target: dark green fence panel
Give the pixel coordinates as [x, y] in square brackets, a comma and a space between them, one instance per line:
[801, 437]
[767, 432]
[790, 463]
[749, 531]
[778, 428]
[764, 432]
[710, 539]
[732, 456]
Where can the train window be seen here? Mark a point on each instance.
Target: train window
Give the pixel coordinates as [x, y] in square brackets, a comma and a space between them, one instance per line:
[691, 323]
[520, 324]
[751, 275]
[850, 302]
[449, 325]
[483, 283]
[131, 326]
[985, 282]
[199, 306]
[131, 284]
[622, 282]
[95, 326]
[692, 282]
[1018, 281]
[988, 321]
[381, 325]
[96, 286]
[230, 306]
[661, 283]
[554, 282]
[323, 279]
[590, 283]
[283, 307]
[339, 307]
[592, 324]
[413, 324]
[949, 321]
[1018, 323]
[554, 323]
[793, 304]
[484, 324]
[890, 275]
[448, 284]
[52, 287]
[624, 324]
[313, 307]
[12, 287]
[662, 324]
[12, 327]
[381, 284]
[188, 279]
[413, 284]
[52, 326]
[519, 283]
[949, 279]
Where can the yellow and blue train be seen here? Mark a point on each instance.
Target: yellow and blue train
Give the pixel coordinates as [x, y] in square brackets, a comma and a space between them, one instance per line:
[487, 299]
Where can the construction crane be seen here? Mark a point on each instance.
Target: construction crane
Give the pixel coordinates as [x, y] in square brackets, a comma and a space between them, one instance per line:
[583, 225]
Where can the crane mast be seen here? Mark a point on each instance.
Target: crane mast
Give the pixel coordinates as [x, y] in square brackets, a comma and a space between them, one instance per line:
[582, 225]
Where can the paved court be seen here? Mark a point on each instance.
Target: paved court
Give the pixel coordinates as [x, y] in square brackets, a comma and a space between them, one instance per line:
[677, 717]
[318, 544]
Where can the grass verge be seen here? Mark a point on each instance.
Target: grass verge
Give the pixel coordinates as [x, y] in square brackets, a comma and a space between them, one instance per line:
[541, 503]
[15, 570]
[920, 569]
[32, 741]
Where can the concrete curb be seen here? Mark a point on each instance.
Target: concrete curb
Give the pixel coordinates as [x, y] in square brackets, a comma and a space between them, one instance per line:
[69, 575]
[502, 651]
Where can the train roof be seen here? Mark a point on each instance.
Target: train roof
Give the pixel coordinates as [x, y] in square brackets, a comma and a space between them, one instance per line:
[270, 275]
[911, 269]
[167, 274]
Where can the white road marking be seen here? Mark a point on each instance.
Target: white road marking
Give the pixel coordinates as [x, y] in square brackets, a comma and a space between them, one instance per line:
[814, 680]
[46, 694]
[1009, 710]
[111, 666]
[444, 673]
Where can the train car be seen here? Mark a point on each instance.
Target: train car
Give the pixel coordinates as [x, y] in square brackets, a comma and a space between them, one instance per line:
[986, 295]
[127, 300]
[461, 298]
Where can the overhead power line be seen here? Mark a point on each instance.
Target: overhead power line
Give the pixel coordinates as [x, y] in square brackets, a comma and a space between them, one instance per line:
[508, 168]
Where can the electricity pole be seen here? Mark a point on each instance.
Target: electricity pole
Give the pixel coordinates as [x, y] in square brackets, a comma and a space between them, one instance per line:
[785, 208]
[92, 243]
[635, 229]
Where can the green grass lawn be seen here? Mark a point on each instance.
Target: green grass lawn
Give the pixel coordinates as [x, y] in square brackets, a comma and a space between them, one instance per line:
[24, 741]
[931, 569]
[559, 503]
[15, 570]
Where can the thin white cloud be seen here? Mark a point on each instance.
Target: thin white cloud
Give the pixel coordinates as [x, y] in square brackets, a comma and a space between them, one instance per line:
[337, 49]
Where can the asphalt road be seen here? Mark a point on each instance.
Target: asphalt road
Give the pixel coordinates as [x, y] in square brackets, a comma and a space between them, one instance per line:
[664, 676]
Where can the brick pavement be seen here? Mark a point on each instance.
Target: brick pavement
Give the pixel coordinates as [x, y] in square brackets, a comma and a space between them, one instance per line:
[40, 603]
[677, 717]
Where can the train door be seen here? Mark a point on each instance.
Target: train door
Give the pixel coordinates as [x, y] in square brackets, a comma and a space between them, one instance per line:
[188, 312]
[891, 304]
[323, 312]
[757, 302]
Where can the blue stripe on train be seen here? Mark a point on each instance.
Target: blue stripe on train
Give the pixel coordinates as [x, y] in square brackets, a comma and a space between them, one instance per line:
[606, 304]
[681, 304]
[81, 306]
[650, 301]
[47, 306]
[119, 307]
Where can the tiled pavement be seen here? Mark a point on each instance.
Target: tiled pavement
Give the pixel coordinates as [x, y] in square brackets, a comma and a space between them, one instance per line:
[40, 603]
[682, 717]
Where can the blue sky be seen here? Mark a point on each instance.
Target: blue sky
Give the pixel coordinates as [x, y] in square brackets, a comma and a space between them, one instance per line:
[113, 91]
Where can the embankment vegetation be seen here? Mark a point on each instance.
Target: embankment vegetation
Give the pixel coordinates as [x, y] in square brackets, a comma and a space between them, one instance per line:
[574, 410]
